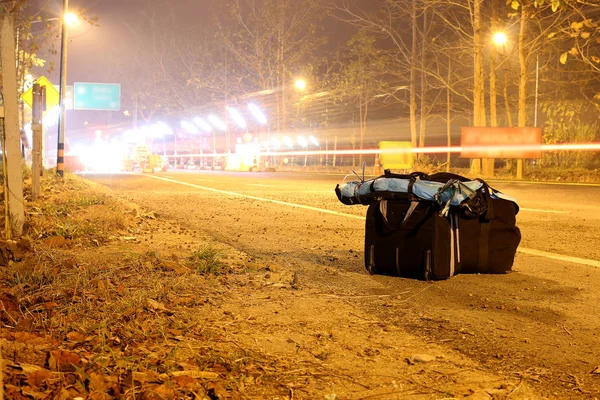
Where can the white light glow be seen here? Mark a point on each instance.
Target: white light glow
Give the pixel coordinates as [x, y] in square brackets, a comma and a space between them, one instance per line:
[302, 141]
[288, 142]
[188, 127]
[202, 124]
[156, 131]
[71, 19]
[217, 123]
[51, 117]
[500, 38]
[313, 140]
[165, 129]
[300, 84]
[257, 113]
[237, 117]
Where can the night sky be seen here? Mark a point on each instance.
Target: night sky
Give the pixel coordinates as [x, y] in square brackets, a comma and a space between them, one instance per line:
[102, 53]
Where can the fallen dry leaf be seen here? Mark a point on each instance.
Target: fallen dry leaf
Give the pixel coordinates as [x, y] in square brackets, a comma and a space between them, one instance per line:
[61, 360]
[39, 377]
[597, 370]
[75, 336]
[156, 306]
[98, 383]
[175, 267]
[186, 382]
[31, 338]
[193, 374]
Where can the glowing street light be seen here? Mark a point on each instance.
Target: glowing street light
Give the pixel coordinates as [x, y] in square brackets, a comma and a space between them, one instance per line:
[217, 123]
[71, 19]
[202, 124]
[500, 38]
[300, 84]
[166, 129]
[302, 141]
[257, 113]
[237, 117]
[188, 127]
[313, 140]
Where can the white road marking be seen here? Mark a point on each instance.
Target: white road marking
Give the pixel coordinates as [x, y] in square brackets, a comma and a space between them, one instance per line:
[543, 211]
[539, 253]
[559, 257]
[285, 203]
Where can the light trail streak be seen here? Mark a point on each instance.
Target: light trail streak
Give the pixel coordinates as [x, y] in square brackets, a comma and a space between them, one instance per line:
[421, 150]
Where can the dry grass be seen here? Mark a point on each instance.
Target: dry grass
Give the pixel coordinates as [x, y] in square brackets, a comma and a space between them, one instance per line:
[102, 313]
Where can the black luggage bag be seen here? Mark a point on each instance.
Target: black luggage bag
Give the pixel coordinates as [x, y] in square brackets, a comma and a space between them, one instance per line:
[422, 245]
[487, 242]
[415, 239]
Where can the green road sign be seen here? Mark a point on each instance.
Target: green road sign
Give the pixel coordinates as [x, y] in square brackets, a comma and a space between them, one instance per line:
[97, 96]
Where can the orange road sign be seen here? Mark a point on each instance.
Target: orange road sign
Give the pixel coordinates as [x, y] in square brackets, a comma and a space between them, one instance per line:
[484, 142]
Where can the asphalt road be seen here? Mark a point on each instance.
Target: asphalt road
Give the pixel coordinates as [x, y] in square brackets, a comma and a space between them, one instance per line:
[540, 322]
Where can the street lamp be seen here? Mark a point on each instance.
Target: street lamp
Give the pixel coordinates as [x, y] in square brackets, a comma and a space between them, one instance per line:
[68, 18]
[300, 84]
[500, 38]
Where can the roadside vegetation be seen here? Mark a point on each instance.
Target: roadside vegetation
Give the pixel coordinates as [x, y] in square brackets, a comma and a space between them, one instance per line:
[100, 300]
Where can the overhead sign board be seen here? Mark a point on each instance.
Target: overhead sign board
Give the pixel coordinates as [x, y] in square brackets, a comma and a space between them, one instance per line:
[97, 96]
[52, 94]
[396, 155]
[483, 142]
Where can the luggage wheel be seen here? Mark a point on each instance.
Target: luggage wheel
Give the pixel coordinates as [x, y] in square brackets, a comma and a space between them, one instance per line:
[371, 269]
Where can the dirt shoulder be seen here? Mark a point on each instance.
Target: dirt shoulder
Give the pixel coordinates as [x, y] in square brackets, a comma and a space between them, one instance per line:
[104, 299]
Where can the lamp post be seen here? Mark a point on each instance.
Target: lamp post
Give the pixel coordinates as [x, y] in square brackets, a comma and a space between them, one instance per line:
[500, 39]
[60, 145]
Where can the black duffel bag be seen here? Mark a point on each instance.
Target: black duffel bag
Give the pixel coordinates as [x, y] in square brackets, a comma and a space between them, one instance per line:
[488, 235]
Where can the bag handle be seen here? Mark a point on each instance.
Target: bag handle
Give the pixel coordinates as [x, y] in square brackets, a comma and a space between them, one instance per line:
[444, 177]
[413, 175]
[489, 214]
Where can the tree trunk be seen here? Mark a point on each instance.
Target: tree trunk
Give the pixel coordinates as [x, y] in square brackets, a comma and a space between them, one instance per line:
[522, 116]
[11, 138]
[477, 87]
[448, 114]
[489, 168]
[413, 77]
[509, 121]
[361, 128]
[422, 124]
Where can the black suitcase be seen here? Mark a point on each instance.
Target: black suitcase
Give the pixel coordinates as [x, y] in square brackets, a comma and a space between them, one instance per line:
[410, 239]
[487, 243]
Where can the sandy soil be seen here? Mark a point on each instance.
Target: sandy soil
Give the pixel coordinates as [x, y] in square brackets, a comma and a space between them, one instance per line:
[288, 312]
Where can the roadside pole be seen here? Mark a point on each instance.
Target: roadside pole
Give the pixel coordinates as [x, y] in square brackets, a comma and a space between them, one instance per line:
[36, 128]
[12, 137]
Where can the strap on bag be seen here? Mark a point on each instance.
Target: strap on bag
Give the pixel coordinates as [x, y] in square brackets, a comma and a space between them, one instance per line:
[445, 177]
[486, 225]
[393, 225]
[489, 213]
[413, 175]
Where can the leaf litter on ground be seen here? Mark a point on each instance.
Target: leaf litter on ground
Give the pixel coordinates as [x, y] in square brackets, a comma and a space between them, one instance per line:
[100, 301]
